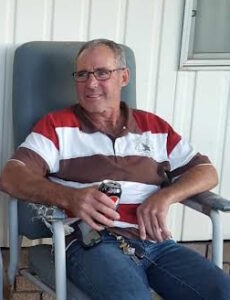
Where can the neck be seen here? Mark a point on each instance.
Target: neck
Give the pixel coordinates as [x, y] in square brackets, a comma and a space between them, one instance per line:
[108, 121]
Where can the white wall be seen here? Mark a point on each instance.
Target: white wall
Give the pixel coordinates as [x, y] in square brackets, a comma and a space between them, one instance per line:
[196, 103]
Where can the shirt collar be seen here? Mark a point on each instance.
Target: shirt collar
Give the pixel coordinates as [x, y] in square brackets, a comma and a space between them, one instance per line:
[87, 126]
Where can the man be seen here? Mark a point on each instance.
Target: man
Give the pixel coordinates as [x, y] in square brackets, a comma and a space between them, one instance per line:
[70, 152]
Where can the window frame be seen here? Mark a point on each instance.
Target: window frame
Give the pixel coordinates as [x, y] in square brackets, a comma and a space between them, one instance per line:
[198, 61]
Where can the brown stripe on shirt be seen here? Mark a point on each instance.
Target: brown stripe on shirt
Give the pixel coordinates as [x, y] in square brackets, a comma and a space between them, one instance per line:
[198, 159]
[130, 168]
[32, 160]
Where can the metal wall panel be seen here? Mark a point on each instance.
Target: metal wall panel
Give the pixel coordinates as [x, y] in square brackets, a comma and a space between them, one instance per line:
[142, 17]
[70, 20]
[208, 127]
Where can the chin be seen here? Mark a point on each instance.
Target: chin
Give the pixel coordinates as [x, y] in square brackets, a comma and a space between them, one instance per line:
[93, 107]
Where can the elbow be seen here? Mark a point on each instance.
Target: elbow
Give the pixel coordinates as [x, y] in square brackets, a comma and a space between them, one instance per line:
[214, 179]
[4, 184]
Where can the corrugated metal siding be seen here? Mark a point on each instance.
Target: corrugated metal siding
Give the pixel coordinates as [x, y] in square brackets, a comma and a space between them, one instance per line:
[196, 103]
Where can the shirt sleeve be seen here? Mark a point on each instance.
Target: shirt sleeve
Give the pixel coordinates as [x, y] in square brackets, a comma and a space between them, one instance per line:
[32, 160]
[182, 155]
[40, 150]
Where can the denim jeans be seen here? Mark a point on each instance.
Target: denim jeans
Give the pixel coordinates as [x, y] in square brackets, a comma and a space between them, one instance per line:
[172, 270]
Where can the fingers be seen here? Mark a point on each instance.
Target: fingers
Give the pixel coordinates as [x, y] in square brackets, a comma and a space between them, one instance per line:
[165, 233]
[92, 223]
[104, 199]
[97, 220]
[153, 224]
[141, 225]
[96, 208]
[155, 229]
[150, 226]
[107, 211]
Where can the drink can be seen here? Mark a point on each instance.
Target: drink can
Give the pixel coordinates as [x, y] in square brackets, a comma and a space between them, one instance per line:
[112, 189]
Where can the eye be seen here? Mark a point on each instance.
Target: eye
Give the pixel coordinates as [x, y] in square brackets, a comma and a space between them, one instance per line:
[102, 72]
[82, 74]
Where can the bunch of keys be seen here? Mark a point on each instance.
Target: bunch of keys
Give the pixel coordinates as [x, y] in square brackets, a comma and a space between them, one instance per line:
[126, 248]
[137, 251]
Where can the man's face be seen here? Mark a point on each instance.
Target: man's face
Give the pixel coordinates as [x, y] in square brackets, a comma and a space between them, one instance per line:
[99, 96]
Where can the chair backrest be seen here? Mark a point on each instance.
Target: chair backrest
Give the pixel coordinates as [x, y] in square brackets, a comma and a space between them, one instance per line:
[42, 82]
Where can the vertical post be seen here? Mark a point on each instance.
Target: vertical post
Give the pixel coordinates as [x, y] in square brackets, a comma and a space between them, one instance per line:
[60, 260]
[13, 240]
[217, 238]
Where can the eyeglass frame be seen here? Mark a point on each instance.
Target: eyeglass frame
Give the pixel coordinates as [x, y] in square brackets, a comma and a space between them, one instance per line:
[93, 72]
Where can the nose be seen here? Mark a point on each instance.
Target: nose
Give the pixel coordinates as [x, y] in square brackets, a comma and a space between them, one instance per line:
[92, 81]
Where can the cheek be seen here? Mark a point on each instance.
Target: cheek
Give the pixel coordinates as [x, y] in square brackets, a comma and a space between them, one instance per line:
[79, 90]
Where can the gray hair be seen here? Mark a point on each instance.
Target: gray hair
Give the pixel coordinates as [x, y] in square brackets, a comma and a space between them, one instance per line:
[118, 51]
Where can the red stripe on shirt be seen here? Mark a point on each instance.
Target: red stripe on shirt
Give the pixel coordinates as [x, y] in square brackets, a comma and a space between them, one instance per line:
[149, 122]
[48, 124]
[128, 213]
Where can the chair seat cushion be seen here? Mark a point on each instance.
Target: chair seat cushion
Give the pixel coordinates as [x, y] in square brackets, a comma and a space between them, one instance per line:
[41, 262]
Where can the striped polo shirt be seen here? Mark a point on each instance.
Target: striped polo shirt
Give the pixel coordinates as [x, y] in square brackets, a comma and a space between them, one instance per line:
[68, 149]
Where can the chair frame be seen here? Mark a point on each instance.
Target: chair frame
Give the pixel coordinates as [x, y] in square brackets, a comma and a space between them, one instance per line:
[53, 62]
[207, 203]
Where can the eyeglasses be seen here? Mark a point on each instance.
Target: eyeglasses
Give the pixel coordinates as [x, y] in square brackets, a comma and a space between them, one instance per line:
[99, 74]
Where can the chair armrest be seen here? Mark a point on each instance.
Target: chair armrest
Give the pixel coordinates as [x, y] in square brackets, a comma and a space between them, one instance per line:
[60, 258]
[207, 201]
[49, 213]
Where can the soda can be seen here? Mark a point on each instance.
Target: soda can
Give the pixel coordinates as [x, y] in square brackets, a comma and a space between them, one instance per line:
[112, 189]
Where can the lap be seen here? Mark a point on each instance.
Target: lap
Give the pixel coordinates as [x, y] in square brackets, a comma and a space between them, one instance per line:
[175, 272]
[104, 272]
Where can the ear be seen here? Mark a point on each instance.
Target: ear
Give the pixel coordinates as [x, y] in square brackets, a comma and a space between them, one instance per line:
[125, 77]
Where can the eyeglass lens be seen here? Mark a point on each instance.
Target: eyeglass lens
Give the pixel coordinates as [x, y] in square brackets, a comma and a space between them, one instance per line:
[99, 74]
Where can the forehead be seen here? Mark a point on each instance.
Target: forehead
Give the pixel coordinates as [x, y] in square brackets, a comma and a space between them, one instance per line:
[98, 57]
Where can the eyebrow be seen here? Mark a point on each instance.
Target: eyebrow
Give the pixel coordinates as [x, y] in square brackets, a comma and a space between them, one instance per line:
[99, 68]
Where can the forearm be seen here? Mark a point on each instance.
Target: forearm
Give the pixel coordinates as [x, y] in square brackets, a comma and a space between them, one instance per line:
[196, 180]
[20, 182]
[89, 204]
[152, 213]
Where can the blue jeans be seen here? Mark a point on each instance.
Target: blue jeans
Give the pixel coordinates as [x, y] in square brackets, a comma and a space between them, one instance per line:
[172, 270]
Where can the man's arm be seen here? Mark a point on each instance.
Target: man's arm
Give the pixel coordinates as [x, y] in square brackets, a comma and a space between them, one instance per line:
[88, 204]
[151, 215]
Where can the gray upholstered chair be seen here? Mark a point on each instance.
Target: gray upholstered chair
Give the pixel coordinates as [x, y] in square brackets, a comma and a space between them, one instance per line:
[41, 83]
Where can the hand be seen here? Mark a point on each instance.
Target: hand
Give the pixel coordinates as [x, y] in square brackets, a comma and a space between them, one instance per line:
[94, 207]
[151, 217]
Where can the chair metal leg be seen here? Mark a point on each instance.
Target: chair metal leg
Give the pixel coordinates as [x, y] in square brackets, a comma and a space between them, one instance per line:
[60, 260]
[13, 240]
[217, 238]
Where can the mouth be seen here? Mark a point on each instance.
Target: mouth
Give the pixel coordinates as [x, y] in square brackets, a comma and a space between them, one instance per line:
[93, 96]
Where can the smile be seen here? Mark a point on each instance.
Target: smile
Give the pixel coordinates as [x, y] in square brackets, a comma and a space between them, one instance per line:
[93, 96]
